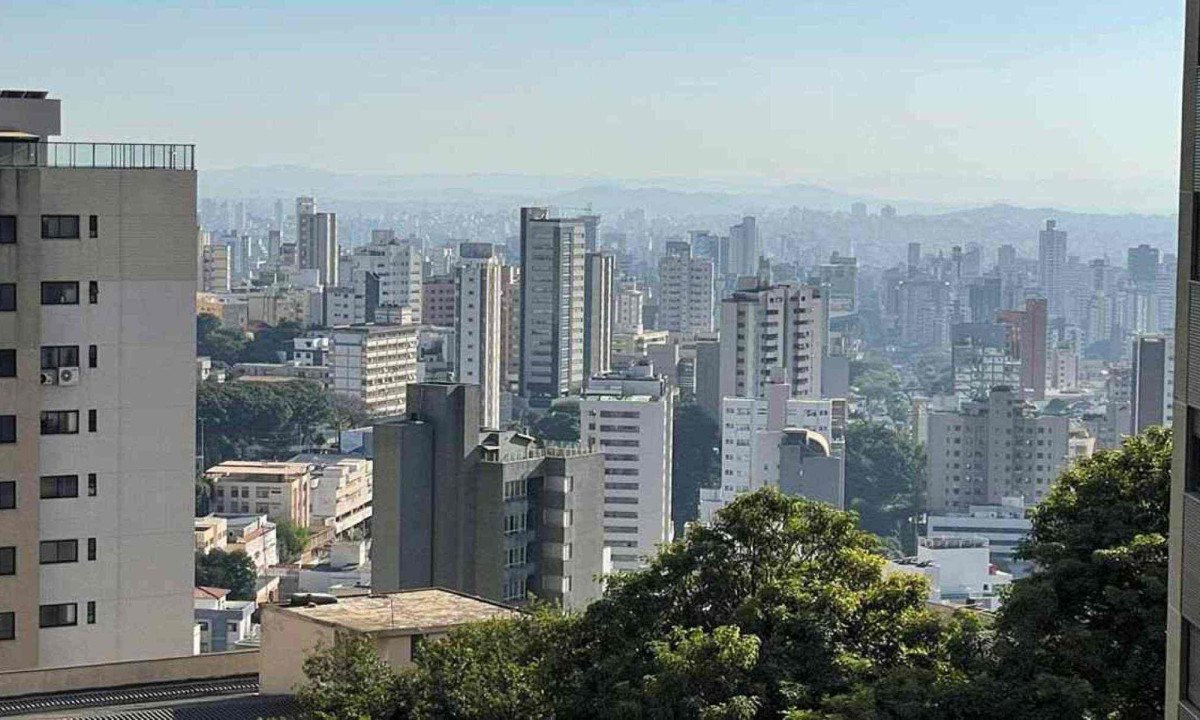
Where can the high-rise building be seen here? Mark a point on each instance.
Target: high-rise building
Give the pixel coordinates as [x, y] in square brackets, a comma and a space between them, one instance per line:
[765, 328]
[980, 361]
[216, 272]
[686, 291]
[1052, 261]
[1152, 389]
[386, 272]
[97, 364]
[1027, 342]
[375, 364]
[838, 279]
[510, 324]
[591, 232]
[628, 418]
[495, 514]
[552, 306]
[477, 325]
[983, 299]
[627, 318]
[1142, 264]
[438, 301]
[924, 312]
[597, 314]
[914, 259]
[745, 247]
[316, 242]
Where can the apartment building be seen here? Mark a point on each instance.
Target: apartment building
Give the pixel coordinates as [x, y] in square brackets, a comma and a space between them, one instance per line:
[767, 329]
[279, 490]
[438, 301]
[374, 363]
[597, 314]
[628, 418]
[627, 312]
[384, 273]
[215, 270]
[340, 490]
[478, 326]
[316, 242]
[97, 366]
[686, 291]
[1153, 382]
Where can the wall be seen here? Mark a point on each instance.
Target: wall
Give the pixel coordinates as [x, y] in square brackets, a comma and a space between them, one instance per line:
[136, 672]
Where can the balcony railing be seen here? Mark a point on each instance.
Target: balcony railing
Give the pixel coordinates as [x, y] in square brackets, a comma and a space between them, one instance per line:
[120, 156]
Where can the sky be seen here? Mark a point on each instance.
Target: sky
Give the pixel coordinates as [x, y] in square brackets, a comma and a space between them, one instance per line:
[1037, 102]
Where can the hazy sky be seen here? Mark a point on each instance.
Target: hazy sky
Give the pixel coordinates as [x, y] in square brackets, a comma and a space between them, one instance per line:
[1046, 102]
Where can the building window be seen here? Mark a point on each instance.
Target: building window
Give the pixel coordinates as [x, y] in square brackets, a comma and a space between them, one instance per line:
[8, 429]
[8, 561]
[61, 615]
[8, 229]
[59, 486]
[91, 612]
[8, 495]
[91, 484]
[8, 625]
[93, 226]
[91, 556]
[8, 363]
[8, 297]
[60, 293]
[93, 356]
[93, 292]
[92, 420]
[60, 422]
[60, 356]
[60, 227]
[52, 552]
[1191, 677]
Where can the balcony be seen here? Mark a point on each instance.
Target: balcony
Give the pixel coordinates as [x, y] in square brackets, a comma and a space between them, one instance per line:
[117, 156]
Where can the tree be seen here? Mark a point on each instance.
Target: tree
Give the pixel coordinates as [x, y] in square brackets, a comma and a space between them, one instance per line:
[695, 461]
[347, 679]
[292, 539]
[1084, 633]
[561, 424]
[248, 420]
[233, 571]
[216, 341]
[883, 475]
[271, 340]
[203, 495]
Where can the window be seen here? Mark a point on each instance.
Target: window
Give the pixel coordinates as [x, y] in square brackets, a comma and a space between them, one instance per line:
[59, 486]
[91, 550]
[60, 293]
[8, 429]
[61, 615]
[8, 625]
[8, 229]
[8, 297]
[93, 226]
[8, 561]
[52, 552]
[93, 292]
[59, 356]
[60, 227]
[92, 420]
[8, 363]
[8, 495]
[93, 353]
[60, 422]
[91, 484]
[91, 609]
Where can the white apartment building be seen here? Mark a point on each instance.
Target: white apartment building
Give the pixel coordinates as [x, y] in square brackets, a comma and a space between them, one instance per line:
[340, 490]
[769, 328]
[686, 291]
[374, 363]
[754, 437]
[216, 272]
[1005, 525]
[627, 314]
[279, 490]
[477, 326]
[97, 368]
[385, 273]
[316, 242]
[628, 417]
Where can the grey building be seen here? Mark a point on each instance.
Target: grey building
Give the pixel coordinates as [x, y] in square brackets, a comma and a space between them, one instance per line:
[1149, 383]
[808, 469]
[494, 514]
[598, 314]
[708, 377]
[552, 306]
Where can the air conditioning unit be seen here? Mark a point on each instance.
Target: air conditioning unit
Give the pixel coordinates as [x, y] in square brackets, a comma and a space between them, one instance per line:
[49, 377]
[68, 376]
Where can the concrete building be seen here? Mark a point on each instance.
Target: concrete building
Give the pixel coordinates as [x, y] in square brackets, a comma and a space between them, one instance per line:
[627, 317]
[385, 273]
[1151, 396]
[686, 291]
[223, 623]
[924, 312]
[628, 418]
[316, 242]
[745, 248]
[1005, 525]
[1052, 261]
[1027, 342]
[597, 314]
[279, 490]
[374, 363]
[340, 490]
[254, 535]
[510, 326]
[838, 280]
[979, 360]
[478, 326]
[209, 533]
[965, 574]
[552, 306]
[708, 377]
[97, 333]
[438, 301]
[1063, 367]
[216, 272]
[769, 328]
[495, 514]
[990, 450]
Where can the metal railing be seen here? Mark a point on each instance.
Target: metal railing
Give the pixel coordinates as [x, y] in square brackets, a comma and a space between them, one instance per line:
[121, 156]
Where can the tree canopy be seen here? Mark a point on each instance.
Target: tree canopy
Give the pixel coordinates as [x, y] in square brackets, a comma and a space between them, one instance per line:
[695, 461]
[233, 571]
[248, 420]
[883, 474]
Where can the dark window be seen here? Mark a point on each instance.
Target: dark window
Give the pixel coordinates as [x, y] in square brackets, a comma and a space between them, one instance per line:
[8, 561]
[91, 484]
[1191, 675]
[93, 292]
[52, 552]
[93, 226]
[91, 612]
[92, 420]
[93, 355]
[60, 227]
[59, 486]
[60, 615]
[60, 422]
[8, 363]
[8, 297]
[91, 549]
[59, 356]
[8, 494]
[1191, 479]
[8, 625]
[60, 293]
[8, 428]
[8, 229]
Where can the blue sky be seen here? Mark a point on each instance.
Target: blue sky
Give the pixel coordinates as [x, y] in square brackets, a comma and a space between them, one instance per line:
[1042, 103]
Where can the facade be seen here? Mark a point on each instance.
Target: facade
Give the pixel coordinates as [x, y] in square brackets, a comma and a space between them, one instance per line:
[767, 329]
[510, 326]
[745, 247]
[340, 490]
[254, 535]
[216, 273]
[993, 449]
[628, 418]
[385, 273]
[1052, 262]
[223, 622]
[1027, 342]
[627, 315]
[374, 363]
[686, 292]
[1004, 525]
[97, 425]
[552, 306]
[478, 326]
[924, 312]
[597, 314]
[316, 242]
[437, 301]
[1151, 394]
[279, 490]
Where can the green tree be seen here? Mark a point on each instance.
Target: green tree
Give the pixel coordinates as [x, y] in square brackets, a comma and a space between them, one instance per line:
[883, 475]
[561, 424]
[346, 680]
[269, 341]
[247, 420]
[216, 341]
[1083, 635]
[695, 461]
[233, 571]
[292, 540]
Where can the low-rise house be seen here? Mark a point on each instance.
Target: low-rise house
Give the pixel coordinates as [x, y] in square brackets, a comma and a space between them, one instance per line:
[255, 536]
[279, 490]
[223, 623]
[210, 533]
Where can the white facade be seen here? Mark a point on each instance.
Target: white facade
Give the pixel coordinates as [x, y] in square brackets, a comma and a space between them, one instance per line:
[765, 329]
[340, 490]
[374, 363]
[685, 303]
[965, 571]
[629, 418]
[627, 317]
[1004, 526]
[395, 265]
[477, 325]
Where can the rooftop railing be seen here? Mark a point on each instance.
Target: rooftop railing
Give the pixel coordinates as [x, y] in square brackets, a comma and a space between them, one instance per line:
[119, 156]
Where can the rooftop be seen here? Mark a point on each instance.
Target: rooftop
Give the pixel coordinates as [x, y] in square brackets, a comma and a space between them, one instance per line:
[201, 592]
[403, 613]
[265, 469]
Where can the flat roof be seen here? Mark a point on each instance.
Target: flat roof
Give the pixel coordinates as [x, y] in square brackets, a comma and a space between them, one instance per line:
[248, 467]
[403, 613]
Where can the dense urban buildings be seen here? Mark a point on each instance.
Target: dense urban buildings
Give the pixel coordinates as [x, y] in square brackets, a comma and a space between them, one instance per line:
[686, 291]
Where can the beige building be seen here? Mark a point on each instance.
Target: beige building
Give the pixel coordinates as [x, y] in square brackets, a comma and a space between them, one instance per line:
[686, 291]
[97, 416]
[374, 363]
[279, 490]
[395, 622]
[209, 533]
[340, 493]
[477, 325]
